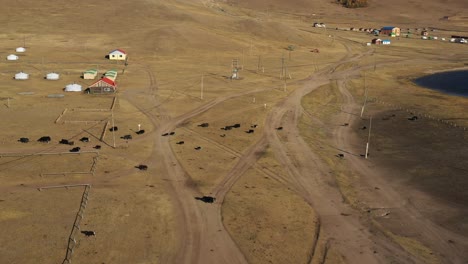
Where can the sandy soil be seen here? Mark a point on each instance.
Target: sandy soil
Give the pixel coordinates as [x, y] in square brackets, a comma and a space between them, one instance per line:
[282, 195]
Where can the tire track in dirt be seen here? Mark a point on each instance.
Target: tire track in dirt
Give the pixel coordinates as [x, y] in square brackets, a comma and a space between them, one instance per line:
[433, 235]
[202, 236]
[265, 170]
[316, 185]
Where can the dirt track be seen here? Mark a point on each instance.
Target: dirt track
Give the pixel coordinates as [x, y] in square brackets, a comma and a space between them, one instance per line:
[157, 207]
[203, 237]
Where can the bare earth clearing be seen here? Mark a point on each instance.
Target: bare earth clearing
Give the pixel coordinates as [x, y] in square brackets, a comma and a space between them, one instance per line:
[283, 193]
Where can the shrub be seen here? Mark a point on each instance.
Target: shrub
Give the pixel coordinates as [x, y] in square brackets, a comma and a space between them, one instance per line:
[353, 3]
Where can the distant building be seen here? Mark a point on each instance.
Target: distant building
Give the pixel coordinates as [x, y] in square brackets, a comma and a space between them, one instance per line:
[102, 86]
[117, 54]
[390, 31]
[377, 41]
[320, 25]
[424, 33]
[385, 42]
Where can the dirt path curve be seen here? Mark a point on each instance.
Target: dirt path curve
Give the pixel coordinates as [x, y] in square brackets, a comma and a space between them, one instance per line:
[339, 223]
[202, 236]
[309, 176]
[431, 234]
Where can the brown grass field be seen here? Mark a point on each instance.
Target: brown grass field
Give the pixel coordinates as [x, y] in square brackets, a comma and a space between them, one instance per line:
[282, 195]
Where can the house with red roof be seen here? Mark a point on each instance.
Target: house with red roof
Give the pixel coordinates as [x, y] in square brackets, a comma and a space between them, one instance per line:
[117, 54]
[102, 86]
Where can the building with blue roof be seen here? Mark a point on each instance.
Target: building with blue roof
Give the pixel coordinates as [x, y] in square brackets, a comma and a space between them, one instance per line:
[390, 31]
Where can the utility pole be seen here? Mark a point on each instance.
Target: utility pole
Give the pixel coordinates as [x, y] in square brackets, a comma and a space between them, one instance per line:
[201, 88]
[260, 64]
[365, 95]
[113, 133]
[243, 51]
[283, 70]
[235, 69]
[368, 137]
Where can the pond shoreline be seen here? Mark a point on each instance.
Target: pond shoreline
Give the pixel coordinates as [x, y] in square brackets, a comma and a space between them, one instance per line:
[451, 82]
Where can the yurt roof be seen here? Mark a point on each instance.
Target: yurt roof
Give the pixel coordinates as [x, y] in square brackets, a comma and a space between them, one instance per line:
[21, 75]
[52, 75]
[75, 85]
[12, 56]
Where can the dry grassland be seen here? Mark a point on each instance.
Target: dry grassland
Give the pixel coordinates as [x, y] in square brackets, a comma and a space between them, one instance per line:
[261, 214]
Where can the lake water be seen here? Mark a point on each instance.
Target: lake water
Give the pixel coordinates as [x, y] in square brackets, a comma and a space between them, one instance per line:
[451, 82]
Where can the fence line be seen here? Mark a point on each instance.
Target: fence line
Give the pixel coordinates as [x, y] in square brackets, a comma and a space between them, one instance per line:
[76, 225]
[45, 153]
[113, 103]
[399, 107]
[83, 121]
[66, 173]
[79, 216]
[94, 165]
[104, 131]
[61, 115]
[91, 110]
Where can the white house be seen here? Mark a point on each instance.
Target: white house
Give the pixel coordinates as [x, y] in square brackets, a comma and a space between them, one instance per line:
[117, 54]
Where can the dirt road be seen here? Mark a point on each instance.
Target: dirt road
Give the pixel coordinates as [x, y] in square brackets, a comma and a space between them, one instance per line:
[433, 235]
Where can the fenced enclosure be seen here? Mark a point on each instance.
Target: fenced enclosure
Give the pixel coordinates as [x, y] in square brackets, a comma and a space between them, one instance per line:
[72, 241]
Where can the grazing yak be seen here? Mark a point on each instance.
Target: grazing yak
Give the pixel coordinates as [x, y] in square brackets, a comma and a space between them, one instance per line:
[75, 149]
[142, 167]
[88, 233]
[206, 199]
[45, 139]
[23, 140]
[66, 142]
[127, 137]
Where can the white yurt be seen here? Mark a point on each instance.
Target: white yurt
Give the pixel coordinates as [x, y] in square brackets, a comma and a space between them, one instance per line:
[21, 76]
[52, 76]
[73, 88]
[20, 49]
[12, 57]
